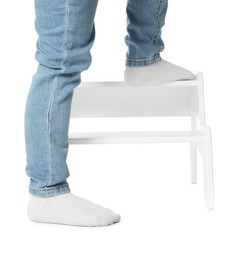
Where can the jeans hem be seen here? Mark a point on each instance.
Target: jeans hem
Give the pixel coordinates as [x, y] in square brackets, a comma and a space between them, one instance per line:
[51, 191]
[143, 62]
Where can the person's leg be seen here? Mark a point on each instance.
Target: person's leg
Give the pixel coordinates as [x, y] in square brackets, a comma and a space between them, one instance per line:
[65, 35]
[145, 19]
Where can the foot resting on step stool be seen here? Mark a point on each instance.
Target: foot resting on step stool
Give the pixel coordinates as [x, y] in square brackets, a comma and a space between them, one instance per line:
[156, 74]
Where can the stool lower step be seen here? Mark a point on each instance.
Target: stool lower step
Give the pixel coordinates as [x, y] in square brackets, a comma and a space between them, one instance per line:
[136, 137]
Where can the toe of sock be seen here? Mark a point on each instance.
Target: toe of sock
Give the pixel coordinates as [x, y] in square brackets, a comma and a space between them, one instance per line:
[106, 219]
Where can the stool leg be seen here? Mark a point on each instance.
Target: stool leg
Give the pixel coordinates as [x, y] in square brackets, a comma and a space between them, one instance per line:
[206, 149]
[193, 146]
[193, 162]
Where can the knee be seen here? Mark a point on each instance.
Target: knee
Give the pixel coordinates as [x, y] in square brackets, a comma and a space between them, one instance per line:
[68, 61]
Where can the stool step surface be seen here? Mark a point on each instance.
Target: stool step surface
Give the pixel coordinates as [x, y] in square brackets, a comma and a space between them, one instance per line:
[136, 137]
[116, 99]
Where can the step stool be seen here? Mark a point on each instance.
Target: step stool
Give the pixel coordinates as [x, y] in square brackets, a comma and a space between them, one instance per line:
[175, 99]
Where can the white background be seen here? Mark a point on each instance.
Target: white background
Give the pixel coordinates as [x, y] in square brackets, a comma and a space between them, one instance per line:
[163, 215]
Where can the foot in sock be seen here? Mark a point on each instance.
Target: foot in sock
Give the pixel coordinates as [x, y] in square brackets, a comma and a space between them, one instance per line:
[156, 74]
[69, 209]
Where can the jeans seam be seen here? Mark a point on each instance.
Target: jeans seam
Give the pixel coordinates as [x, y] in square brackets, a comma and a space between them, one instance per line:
[138, 60]
[52, 188]
[51, 191]
[56, 83]
[158, 27]
[51, 101]
[66, 29]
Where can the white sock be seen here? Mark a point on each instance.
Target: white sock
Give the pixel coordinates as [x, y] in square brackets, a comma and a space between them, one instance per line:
[156, 74]
[69, 209]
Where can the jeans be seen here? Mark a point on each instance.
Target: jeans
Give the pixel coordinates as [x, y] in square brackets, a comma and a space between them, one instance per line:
[66, 34]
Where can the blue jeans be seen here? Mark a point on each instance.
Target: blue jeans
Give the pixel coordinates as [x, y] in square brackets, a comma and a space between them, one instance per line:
[66, 34]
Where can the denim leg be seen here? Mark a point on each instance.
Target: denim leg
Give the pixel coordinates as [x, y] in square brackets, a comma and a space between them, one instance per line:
[65, 36]
[145, 18]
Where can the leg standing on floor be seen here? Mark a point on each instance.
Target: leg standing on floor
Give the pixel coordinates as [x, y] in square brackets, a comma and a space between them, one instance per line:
[65, 36]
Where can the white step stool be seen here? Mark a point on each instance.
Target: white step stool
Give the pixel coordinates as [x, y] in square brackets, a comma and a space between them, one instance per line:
[180, 98]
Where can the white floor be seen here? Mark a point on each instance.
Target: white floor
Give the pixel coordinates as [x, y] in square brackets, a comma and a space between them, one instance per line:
[163, 215]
